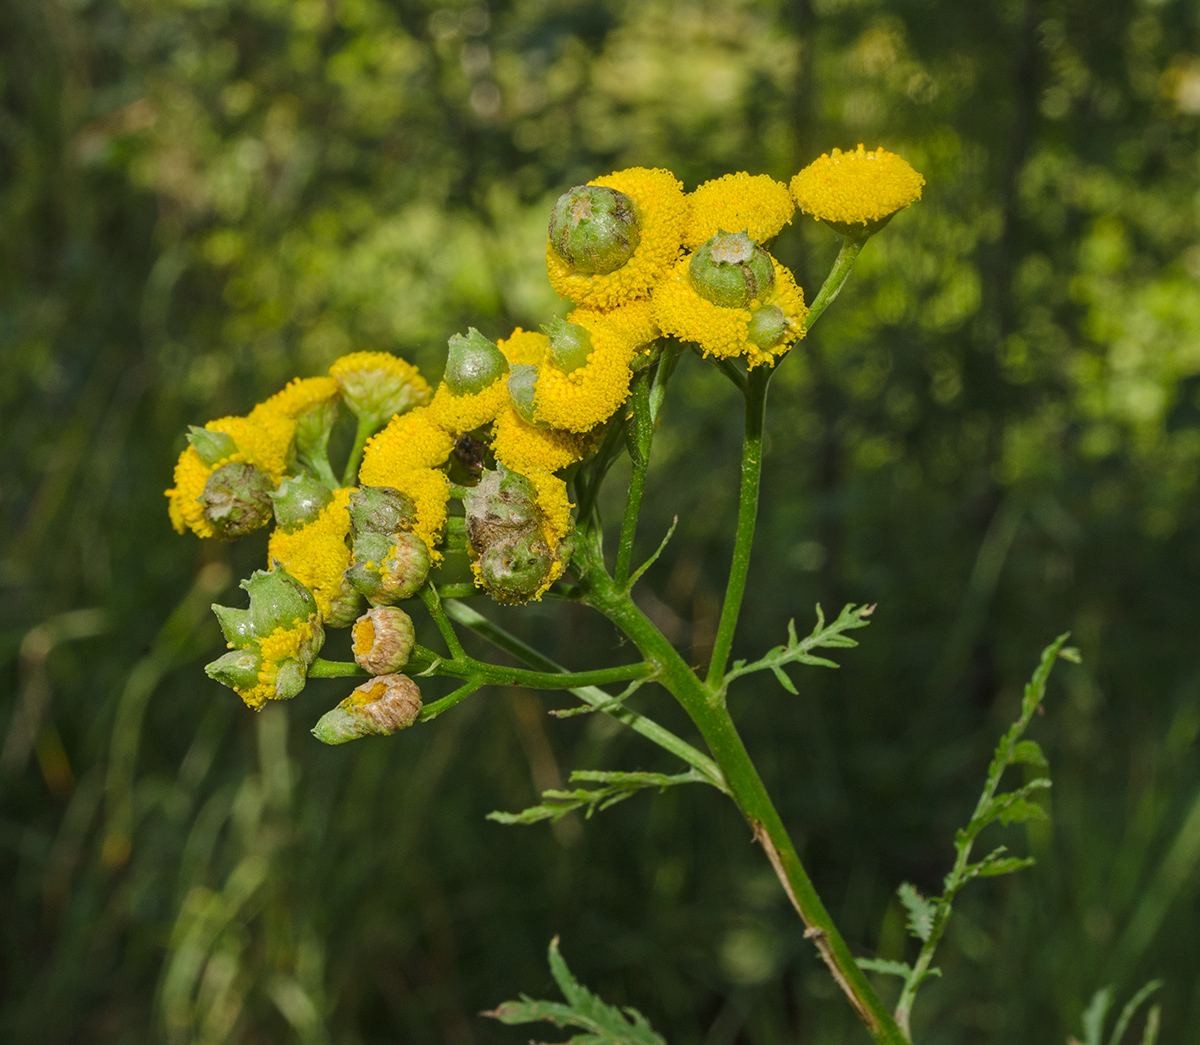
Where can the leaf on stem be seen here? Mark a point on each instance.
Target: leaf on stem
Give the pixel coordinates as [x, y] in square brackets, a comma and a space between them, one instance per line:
[920, 911]
[607, 706]
[797, 650]
[605, 1024]
[615, 787]
[650, 561]
[883, 965]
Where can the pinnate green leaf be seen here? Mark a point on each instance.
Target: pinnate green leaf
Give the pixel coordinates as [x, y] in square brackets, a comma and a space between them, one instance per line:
[602, 1023]
[920, 911]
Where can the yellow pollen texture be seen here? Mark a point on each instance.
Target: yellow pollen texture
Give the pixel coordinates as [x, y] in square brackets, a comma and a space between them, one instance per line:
[721, 331]
[661, 210]
[282, 644]
[363, 634]
[376, 368]
[317, 554]
[190, 476]
[856, 187]
[409, 441]
[525, 448]
[583, 398]
[524, 346]
[458, 414]
[755, 204]
[300, 395]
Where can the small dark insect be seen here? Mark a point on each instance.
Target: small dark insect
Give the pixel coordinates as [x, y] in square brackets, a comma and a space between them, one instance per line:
[469, 453]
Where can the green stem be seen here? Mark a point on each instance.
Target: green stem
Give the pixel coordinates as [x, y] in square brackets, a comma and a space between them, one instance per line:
[361, 434]
[735, 589]
[597, 698]
[334, 669]
[833, 282]
[639, 436]
[429, 596]
[748, 791]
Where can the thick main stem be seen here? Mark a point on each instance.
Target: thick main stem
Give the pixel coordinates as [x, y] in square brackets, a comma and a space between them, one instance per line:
[756, 405]
[712, 719]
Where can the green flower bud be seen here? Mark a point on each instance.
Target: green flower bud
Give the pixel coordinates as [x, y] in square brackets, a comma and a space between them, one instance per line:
[237, 499]
[236, 625]
[298, 501]
[313, 426]
[392, 576]
[379, 707]
[290, 677]
[345, 606]
[211, 446]
[768, 326]
[237, 669]
[731, 270]
[473, 363]
[570, 345]
[522, 391]
[277, 600]
[381, 509]
[594, 229]
[383, 640]
[514, 568]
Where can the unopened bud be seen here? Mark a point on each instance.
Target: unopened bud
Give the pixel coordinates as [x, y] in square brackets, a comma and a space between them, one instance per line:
[236, 625]
[522, 391]
[594, 229]
[237, 499]
[570, 345]
[344, 605]
[473, 363]
[277, 600]
[313, 426]
[381, 509]
[501, 503]
[379, 707]
[298, 501]
[211, 446]
[237, 669]
[731, 270]
[768, 326]
[389, 573]
[383, 640]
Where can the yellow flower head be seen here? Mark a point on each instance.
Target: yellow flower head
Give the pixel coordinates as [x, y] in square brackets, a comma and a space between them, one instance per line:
[409, 441]
[282, 644]
[377, 385]
[407, 456]
[524, 346]
[580, 400]
[525, 449]
[661, 211]
[458, 414]
[555, 508]
[317, 554]
[300, 396]
[725, 332]
[755, 204]
[856, 188]
[263, 439]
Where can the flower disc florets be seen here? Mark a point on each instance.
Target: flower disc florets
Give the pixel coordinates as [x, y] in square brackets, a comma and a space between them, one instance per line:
[856, 192]
[755, 204]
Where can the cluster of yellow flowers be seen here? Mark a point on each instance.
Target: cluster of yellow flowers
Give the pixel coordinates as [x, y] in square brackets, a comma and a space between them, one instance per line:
[638, 257]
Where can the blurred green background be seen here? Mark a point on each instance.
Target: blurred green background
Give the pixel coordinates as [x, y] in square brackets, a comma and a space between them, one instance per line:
[994, 434]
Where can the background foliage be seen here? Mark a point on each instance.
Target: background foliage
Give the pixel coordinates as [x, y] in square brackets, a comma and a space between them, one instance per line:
[995, 435]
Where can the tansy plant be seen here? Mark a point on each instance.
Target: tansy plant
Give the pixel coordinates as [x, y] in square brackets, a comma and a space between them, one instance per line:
[501, 463]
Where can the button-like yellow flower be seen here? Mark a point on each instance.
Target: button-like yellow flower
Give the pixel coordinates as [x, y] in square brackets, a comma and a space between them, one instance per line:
[525, 449]
[317, 554]
[293, 649]
[856, 192]
[407, 455]
[263, 439]
[377, 385]
[524, 346]
[755, 204]
[301, 395]
[760, 332]
[661, 210]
